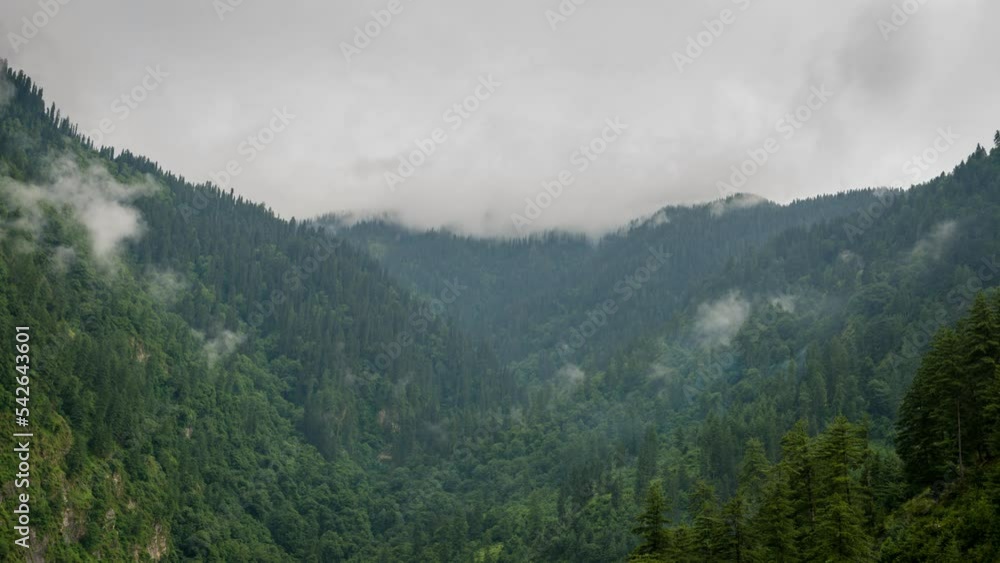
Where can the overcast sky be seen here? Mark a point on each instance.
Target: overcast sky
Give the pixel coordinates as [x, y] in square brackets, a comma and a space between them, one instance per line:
[554, 82]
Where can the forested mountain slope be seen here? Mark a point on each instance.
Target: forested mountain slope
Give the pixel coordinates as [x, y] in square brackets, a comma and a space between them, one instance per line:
[528, 294]
[819, 318]
[840, 497]
[207, 378]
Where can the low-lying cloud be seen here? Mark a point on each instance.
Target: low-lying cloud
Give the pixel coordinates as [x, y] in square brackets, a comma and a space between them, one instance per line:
[717, 322]
[100, 203]
[611, 59]
[784, 301]
[932, 246]
[570, 373]
[63, 258]
[166, 286]
[738, 201]
[222, 345]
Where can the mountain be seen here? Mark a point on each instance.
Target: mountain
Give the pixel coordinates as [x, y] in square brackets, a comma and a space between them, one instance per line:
[207, 377]
[529, 293]
[736, 381]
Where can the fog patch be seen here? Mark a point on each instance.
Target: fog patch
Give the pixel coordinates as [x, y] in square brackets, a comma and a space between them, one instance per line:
[63, 258]
[221, 346]
[785, 302]
[851, 259]
[166, 286]
[848, 256]
[661, 369]
[658, 218]
[717, 322]
[100, 203]
[932, 246]
[738, 201]
[570, 373]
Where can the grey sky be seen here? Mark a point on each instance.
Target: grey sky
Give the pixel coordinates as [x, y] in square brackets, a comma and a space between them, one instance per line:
[226, 76]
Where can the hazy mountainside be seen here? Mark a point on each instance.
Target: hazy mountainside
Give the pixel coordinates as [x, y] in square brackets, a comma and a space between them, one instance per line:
[839, 496]
[529, 294]
[825, 317]
[197, 350]
[855, 282]
[212, 382]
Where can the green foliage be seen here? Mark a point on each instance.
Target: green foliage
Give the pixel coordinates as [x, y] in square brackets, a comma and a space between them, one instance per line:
[650, 525]
[948, 420]
[828, 497]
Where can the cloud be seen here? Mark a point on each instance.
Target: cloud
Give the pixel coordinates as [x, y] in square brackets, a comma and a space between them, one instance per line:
[611, 59]
[717, 322]
[63, 258]
[96, 200]
[166, 286]
[851, 258]
[571, 374]
[658, 218]
[738, 201]
[785, 302]
[661, 369]
[224, 344]
[932, 246]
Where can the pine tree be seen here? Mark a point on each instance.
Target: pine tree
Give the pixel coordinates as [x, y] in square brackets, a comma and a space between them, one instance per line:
[753, 474]
[646, 466]
[981, 360]
[683, 545]
[927, 433]
[840, 536]
[947, 421]
[798, 466]
[737, 542]
[838, 453]
[710, 533]
[991, 410]
[773, 527]
[650, 526]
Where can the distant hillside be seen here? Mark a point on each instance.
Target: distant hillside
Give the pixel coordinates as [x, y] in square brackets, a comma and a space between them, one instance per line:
[529, 294]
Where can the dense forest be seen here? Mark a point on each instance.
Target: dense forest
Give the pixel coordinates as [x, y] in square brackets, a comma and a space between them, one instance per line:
[736, 381]
[837, 496]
